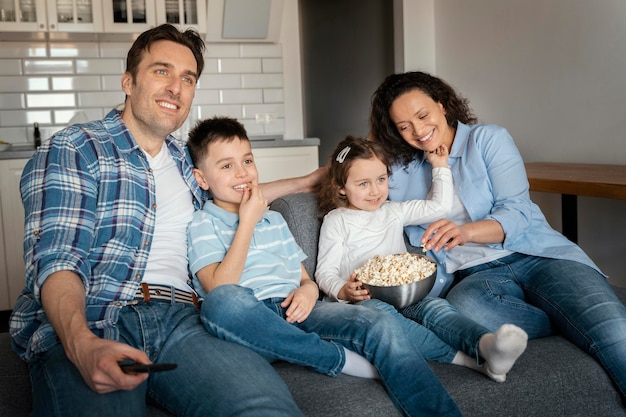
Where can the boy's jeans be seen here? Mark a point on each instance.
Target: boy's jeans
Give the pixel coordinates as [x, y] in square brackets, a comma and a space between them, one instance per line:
[232, 312]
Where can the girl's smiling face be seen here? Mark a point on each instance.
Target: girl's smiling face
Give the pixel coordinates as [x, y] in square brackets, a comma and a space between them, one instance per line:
[421, 121]
[367, 186]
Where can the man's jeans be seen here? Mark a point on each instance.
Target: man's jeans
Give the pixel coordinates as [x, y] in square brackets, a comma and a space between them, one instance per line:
[539, 294]
[232, 312]
[213, 377]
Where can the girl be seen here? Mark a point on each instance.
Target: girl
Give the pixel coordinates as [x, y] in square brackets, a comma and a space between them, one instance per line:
[361, 223]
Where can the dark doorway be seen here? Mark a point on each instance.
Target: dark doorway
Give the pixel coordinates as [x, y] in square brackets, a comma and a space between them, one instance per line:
[347, 50]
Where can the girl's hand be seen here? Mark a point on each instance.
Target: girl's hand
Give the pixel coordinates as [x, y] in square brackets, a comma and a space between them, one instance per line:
[353, 291]
[300, 302]
[443, 234]
[439, 157]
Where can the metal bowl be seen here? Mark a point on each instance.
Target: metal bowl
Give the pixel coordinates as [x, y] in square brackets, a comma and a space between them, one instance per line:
[404, 295]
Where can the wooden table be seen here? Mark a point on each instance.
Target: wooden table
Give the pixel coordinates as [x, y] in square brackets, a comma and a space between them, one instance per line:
[571, 180]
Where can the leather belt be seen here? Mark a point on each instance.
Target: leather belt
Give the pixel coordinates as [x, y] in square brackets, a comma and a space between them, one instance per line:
[148, 292]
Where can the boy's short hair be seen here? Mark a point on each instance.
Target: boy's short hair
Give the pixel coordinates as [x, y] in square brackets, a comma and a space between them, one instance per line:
[211, 130]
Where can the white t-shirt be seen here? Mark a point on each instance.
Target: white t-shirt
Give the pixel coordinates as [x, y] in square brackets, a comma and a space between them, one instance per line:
[167, 262]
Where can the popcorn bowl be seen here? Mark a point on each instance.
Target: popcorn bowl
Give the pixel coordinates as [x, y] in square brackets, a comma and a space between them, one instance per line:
[404, 295]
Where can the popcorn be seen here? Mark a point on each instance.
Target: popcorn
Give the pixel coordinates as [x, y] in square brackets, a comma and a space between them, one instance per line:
[394, 270]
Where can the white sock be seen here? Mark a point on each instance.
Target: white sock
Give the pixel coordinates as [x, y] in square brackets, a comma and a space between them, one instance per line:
[501, 349]
[357, 365]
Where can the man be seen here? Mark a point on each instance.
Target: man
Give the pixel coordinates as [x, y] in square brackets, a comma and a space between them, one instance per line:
[107, 204]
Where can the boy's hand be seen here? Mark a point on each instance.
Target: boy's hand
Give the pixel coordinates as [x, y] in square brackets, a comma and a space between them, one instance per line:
[300, 302]
[253, 205]
[439, 157]
[353, 291]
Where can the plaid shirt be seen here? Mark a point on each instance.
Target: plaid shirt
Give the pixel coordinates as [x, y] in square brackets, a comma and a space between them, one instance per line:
[89, 201]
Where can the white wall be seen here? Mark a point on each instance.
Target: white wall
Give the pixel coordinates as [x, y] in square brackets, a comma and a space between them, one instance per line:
[553, 72]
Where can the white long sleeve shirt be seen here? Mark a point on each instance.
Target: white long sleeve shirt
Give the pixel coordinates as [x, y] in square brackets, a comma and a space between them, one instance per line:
[348, 238]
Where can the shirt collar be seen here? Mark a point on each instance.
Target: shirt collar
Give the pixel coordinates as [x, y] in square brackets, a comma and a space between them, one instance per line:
[229, 219]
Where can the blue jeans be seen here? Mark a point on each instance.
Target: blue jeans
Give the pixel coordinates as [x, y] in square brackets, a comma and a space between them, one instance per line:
[213, 377]
[541, 295]
[232, 312]
[441, 329]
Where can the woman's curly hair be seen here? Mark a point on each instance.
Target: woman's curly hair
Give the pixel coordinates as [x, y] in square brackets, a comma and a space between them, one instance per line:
[384, 131]
[350, 149]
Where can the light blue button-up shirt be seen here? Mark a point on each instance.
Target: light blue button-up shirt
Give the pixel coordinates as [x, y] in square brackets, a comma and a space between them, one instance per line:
[90, 205]
[489, 176]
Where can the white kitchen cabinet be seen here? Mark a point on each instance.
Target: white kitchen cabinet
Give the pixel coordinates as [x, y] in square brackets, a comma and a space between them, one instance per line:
[134, 16]
[11, 232]
[51, 15]
[279, 163]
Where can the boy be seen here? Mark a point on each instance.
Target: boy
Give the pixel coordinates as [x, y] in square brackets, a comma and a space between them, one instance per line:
[247, 267]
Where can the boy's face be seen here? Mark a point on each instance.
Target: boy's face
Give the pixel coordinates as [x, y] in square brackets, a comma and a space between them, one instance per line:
[227, 172]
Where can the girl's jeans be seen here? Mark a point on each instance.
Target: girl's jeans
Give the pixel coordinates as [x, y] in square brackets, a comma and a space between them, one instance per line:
[233, 313]
[213, 377]
[541, 295]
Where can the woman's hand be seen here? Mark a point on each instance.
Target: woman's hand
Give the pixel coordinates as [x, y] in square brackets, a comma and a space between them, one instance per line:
[353, 291]
[443, 234]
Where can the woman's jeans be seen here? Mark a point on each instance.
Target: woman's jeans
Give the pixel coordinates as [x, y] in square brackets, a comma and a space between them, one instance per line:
[213, 377]
[233, 313]
[542, 294]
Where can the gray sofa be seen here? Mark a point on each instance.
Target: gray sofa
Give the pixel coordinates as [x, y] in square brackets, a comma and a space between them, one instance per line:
[552, 378]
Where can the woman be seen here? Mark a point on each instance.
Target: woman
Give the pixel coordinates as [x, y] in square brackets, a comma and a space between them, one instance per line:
[499, 259]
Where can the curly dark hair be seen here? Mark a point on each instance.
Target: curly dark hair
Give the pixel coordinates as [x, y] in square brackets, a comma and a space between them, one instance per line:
[165, 32]
[350, 149]
[384, 131]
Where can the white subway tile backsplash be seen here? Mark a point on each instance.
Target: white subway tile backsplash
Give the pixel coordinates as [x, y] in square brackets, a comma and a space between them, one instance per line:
[42, 66]
[50, 100]
[206, 97]
[251, 110]
[114, 49]
[20, 83]
[24, 118]
[77, 83]
[100, 66]
[57, 82]
[212, 81]
[67, 117]
[241, 96]
[101, 99]
[232, 110]
[222, 50]
[261, 80]
[272, 65]
[273, 95]
[23, 50]
[10, 66]
[239, 65]
[74, 50]
[273, 50]
[12, 101]
[111, 82]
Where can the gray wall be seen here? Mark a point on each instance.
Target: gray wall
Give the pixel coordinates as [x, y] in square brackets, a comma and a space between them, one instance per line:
[347, 49]
[553, 72]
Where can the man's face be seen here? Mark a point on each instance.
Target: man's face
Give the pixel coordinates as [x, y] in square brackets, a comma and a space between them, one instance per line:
[160, 96]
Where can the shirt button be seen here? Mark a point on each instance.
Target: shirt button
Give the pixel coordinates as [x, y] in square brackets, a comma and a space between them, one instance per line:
[154, 206]
[149, 169]
[118, 304]
[138, 276]
[36, 233]
[146, 243]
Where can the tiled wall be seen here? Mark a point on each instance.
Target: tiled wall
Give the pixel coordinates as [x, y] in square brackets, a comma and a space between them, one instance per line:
[54, 82]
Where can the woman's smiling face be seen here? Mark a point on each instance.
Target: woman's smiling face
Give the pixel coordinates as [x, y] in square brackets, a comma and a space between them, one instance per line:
[421, 121]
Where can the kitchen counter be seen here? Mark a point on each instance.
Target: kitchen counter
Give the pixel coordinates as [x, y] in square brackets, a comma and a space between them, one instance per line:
[26, 151]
